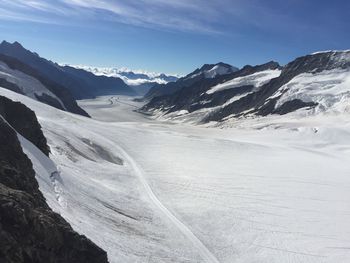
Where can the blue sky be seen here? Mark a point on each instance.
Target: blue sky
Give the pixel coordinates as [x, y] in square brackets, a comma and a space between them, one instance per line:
[175, 36]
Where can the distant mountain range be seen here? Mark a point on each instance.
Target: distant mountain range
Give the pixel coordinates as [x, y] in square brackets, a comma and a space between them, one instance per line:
[315, 83]
[140, 81]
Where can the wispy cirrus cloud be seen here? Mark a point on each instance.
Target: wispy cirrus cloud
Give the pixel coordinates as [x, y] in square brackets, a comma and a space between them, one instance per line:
[201, 16]
[183, 15]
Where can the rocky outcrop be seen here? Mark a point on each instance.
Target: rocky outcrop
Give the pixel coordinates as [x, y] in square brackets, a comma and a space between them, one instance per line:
[30, 232]
[10, 86]
[24, 121]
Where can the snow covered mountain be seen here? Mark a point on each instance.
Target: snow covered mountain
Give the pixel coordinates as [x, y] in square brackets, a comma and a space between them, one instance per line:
[311, 84]
[79, 83]
[204, 74]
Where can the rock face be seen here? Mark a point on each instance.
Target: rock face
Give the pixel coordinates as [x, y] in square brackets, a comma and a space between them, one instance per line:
[24, 121]
[29, 230]
[10, 86]
[58, 90]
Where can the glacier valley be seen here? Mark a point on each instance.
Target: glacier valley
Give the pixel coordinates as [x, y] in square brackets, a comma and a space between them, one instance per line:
[267, 190]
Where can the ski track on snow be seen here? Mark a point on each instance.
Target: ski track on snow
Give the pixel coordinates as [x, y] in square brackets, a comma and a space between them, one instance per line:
[203, 250]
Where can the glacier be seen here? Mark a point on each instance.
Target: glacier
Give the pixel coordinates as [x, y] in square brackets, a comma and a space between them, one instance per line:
[268, 190]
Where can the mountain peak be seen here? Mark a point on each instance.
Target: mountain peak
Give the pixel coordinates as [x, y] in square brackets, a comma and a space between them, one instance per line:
[206, 67]
[4, 42]
[15, 44]
[212, 70]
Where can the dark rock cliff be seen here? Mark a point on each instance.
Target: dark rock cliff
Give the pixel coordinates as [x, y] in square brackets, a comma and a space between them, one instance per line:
[24, 121]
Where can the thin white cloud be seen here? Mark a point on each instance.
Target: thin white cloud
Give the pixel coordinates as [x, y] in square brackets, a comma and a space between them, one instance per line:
[213, 16]
[190, 15]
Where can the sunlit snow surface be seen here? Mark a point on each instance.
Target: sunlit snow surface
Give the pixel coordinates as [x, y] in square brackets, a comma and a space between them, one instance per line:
[217, 70]
[330, 89]
[27, 84]
[257, 79]
[270, 190]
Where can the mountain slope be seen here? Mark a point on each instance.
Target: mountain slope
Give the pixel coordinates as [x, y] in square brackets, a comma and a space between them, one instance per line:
[29, 230]
[22, 78]
[204, 74]
[74, 82]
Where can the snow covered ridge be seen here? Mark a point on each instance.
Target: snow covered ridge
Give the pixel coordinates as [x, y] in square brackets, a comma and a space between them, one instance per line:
[330, 89]
[256, 79]
[28, 85]
[20, 77]
[130, 77]
[331, 51]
